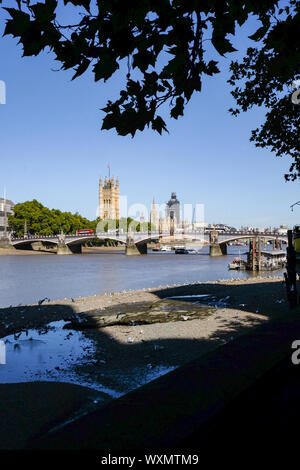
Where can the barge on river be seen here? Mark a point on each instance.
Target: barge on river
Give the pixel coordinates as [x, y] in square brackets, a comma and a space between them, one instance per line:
[269, 260]
[265, 260]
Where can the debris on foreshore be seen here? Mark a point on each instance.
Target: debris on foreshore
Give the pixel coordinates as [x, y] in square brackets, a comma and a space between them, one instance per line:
[142, 313]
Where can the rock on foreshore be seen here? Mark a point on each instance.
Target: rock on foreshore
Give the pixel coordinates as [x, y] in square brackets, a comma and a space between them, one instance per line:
[139, 313]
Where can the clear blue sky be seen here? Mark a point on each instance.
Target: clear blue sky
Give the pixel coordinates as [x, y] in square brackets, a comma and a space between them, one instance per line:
[52, 148]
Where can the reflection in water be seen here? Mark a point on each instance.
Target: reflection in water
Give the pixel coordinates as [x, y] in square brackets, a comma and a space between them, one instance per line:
[57, 354]
[52, 359]
[26, 279]
[63, 356]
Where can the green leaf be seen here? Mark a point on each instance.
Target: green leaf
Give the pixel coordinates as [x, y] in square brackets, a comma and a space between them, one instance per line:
[212, 68]
[82, 68]
[19, 23]
[44, 12]
[143, 59]
[222, 45]
[109, 122]
[178, 108]
[106, 67]
[159, 125]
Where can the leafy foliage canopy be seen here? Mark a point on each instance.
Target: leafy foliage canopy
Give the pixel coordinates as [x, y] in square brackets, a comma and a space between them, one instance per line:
[161, 44]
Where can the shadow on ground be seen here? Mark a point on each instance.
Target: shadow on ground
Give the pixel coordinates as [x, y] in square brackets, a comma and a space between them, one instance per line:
[265, 298]
[212, 371]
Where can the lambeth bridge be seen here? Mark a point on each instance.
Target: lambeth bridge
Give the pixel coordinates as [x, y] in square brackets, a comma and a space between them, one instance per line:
[136, 242]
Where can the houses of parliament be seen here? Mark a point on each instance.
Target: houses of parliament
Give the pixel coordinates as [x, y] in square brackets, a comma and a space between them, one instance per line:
[109, 206]
[109, 198]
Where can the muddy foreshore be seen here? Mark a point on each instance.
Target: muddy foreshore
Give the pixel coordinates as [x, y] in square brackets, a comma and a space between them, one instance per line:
[146, 335]
[33, 252]
[261, 297]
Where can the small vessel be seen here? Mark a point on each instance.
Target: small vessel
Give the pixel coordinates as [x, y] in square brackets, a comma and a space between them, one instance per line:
[181, 251]
[237, 263]
[191, 251]
[156, 248]
[165, 248]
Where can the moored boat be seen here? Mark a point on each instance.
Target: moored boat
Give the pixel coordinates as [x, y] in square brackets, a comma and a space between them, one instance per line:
[181, 251]
[156, 248]
[237, 263]
[165, 248]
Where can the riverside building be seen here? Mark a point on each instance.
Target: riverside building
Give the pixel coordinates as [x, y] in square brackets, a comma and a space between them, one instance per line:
[6, 209]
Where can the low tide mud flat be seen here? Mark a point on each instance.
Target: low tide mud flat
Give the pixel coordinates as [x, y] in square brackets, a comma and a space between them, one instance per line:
[110, 344]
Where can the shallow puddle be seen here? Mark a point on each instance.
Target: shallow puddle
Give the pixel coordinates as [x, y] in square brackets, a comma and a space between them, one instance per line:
[53, 353]
[48, 354]
[65, 352]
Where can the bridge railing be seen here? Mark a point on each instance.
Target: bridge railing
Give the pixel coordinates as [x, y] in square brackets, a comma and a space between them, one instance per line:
[35, 237]
[149, 233]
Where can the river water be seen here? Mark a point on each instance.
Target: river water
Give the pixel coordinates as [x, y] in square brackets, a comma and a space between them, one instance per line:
[90, 358]
[26, 279]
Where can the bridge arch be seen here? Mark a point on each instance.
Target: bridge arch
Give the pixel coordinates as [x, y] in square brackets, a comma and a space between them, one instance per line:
[250, 237]
[82, 240]
[29, 241]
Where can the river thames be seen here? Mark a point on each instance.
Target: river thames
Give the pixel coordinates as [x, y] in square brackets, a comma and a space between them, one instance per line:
[26, 279]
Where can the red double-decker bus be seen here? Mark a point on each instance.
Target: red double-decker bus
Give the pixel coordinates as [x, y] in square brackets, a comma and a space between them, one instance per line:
[84, 231]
